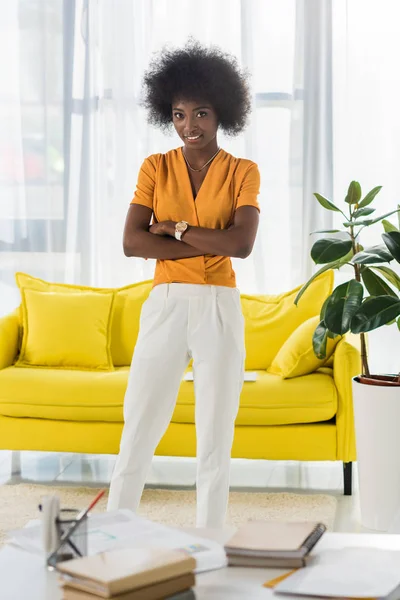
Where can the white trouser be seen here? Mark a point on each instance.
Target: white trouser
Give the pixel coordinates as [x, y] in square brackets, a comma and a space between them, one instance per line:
[179, 322]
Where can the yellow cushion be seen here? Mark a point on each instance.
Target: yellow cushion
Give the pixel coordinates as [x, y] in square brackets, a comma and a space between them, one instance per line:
[297, 356]
[63, 395]
[127, 306]
[91, 396]
[66, 330]
[125, 327]
[274, 401]
[270, 320]
[10, 327]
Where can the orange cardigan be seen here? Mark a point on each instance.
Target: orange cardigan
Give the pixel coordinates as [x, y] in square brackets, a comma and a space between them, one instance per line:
[164, 186]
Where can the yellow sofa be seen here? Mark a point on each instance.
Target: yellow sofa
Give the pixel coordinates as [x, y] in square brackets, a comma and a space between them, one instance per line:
[309, 417]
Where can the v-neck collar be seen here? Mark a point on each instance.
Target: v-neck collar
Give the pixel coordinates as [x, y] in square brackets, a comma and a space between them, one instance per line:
[189, 183]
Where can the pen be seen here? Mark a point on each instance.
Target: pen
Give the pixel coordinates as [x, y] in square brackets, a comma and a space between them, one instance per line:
[91, 505]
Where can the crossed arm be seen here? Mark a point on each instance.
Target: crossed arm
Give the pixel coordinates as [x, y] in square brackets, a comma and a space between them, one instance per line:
[158, 241]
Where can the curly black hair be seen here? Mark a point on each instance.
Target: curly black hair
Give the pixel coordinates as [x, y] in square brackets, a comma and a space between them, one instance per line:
[196, 72]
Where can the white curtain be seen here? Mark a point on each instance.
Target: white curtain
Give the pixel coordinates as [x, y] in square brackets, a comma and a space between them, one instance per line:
[73, 135]
[32, 152]
[366, 117]
[312, 145]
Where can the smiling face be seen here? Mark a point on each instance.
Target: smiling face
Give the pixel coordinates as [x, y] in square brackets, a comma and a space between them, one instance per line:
[196, 123]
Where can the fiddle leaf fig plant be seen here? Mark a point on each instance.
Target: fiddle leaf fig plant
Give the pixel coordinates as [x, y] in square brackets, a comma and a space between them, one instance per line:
[371, 297]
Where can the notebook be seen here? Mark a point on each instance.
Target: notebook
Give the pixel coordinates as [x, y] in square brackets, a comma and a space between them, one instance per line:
[271, 544]
[171, 588]
[267, 562]
[111, 573]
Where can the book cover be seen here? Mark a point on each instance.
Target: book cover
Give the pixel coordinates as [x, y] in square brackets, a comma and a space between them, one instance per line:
[117, 571]
[171, 587]
[264, 539]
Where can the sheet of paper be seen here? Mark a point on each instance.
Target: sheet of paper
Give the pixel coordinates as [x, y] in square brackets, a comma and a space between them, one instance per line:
[124, 529]
[349, 572]
[248, 376]
[30, 537]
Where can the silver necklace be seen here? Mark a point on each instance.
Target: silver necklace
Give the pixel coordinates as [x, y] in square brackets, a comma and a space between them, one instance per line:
[204, 166]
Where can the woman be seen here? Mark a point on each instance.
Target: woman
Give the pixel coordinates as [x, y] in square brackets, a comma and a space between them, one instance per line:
[204, 205]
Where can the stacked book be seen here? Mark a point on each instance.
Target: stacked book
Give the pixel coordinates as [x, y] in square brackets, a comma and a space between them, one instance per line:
[128, 574]
[271, 544]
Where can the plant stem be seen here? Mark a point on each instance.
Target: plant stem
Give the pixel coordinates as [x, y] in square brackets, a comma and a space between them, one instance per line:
[364, 357]
[357, 271]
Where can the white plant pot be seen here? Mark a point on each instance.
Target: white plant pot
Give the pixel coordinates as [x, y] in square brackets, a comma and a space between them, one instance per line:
[377, 425]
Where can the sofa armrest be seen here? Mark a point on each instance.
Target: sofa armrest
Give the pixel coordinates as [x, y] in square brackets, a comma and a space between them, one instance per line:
[9, 338]
[346, 365]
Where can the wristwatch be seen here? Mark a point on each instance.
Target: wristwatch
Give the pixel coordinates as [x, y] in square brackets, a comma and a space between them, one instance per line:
[180, 229]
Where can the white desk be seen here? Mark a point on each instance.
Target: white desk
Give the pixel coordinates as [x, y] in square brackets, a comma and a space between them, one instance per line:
[23, 576]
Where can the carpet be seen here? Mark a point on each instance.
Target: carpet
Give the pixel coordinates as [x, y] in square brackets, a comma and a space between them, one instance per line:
[19, 504]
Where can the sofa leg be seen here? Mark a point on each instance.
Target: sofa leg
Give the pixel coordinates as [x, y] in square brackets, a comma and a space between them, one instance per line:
[348, 478]
[16, 463]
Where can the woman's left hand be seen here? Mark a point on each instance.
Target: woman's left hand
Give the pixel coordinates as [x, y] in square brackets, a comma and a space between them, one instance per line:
[163, 228]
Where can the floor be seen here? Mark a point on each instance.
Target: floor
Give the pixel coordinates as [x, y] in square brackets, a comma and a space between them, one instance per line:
[178, 473]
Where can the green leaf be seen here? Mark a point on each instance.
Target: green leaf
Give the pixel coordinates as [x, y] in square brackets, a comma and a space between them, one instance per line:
[370, 196]
[332, 335]
[383, 216]
[364, 223]
[398, 323]
[353, 193]
[390, 275]
[363, 212]
[375, 312]
[392, 241]
[343, 304]
[320, 339]
[375, 284]
[322, 313]
[326, 231]
[374, 254]
[388, 226]
[329, 249]
[326, 203]
[390, 322]
[333, 265]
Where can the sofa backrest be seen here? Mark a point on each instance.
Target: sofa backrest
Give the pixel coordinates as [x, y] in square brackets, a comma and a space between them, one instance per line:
[269, 320]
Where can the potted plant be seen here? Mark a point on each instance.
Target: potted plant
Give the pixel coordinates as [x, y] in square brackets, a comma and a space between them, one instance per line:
[369, 299]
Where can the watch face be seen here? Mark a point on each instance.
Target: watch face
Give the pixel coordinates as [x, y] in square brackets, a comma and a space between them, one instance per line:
[181, 227]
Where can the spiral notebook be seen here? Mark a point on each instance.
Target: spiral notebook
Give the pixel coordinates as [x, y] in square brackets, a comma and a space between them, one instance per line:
[264, 544]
